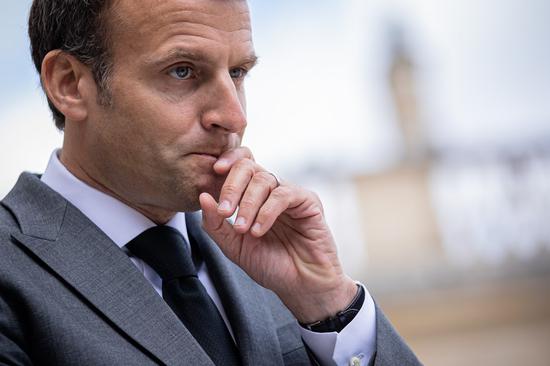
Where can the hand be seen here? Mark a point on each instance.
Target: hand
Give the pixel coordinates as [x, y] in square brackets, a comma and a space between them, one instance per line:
[280, 238]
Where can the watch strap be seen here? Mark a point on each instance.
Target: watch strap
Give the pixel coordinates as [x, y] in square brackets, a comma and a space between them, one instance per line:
[337, 322]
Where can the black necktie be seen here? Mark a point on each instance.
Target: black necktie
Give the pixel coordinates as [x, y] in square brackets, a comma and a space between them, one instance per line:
[165, 250]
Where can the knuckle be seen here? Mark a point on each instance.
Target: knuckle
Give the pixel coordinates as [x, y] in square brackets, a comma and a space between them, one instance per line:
[282, 192]
[244, 163]
[265, 212]
[247, 152]
[246, 203]
[229, 189]
[317, 200]
[263, 178]
[315, 196]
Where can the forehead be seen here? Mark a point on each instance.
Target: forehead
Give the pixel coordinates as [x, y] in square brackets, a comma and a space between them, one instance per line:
[153, 23]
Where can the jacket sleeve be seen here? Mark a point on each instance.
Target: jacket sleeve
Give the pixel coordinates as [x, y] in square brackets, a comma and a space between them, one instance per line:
[391, 349]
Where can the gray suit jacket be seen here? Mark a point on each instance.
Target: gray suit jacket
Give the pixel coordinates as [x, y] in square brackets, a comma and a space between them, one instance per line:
[70, 296]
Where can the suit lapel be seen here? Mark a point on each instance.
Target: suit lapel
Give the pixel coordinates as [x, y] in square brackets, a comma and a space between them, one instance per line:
[243, 300]
[61, 237]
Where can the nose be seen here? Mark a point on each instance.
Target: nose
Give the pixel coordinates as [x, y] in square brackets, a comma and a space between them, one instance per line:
[225, 109]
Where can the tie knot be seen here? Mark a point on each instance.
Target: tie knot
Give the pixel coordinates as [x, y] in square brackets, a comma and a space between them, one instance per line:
[165, 250]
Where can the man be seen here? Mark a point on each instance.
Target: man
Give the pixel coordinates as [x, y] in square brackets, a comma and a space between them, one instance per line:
[150, 97]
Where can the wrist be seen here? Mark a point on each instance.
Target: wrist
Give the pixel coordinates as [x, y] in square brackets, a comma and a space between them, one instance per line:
[314, 308]
[342, 318]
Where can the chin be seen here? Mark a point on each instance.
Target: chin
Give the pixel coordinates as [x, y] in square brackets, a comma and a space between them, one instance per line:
[213, 189]
[209, 184]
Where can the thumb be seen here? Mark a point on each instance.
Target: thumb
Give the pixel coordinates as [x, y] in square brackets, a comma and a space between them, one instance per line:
[219, 229]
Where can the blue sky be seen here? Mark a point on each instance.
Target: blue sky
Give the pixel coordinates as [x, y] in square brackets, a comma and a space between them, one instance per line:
[17, 73]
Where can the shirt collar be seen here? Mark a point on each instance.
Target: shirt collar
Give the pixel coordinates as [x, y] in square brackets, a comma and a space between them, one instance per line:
[120, 222]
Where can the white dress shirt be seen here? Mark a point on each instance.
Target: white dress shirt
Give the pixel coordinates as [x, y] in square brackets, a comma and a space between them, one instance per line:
[354, 345]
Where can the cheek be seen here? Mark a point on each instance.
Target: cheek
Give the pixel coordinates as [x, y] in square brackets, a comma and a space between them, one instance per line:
[169, 117]
[154, 121]
[149, 124]
[150, 102]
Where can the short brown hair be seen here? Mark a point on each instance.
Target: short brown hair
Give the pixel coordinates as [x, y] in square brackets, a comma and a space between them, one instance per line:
[78, 27]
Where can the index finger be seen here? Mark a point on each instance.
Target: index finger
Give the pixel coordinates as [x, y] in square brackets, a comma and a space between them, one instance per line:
[230, 157]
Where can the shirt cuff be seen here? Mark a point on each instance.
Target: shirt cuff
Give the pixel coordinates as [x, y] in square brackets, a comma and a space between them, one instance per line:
[354, 345]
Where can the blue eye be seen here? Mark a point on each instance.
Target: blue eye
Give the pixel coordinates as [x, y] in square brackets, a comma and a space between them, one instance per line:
[237, 73]
[182, 72]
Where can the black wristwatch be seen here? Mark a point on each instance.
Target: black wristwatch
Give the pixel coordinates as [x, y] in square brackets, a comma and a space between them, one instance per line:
[340, 320]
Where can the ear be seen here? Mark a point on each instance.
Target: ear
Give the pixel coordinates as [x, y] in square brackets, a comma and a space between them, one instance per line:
[68, 84]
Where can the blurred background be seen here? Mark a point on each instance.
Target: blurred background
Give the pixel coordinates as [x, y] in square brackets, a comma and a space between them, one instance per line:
[424, 126]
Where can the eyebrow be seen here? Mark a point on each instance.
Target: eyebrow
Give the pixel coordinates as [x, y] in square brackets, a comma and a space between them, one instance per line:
[251, 60]
[179, 54]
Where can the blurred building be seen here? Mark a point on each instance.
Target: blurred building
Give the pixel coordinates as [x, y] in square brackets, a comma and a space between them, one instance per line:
[450, 231]
[461, 238]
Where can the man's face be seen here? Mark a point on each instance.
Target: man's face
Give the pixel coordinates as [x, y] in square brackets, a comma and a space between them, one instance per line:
[177, 100]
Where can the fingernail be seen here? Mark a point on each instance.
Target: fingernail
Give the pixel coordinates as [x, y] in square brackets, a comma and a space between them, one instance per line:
[224, 206]
[221, 163]
[240, 221]
[257, 228]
